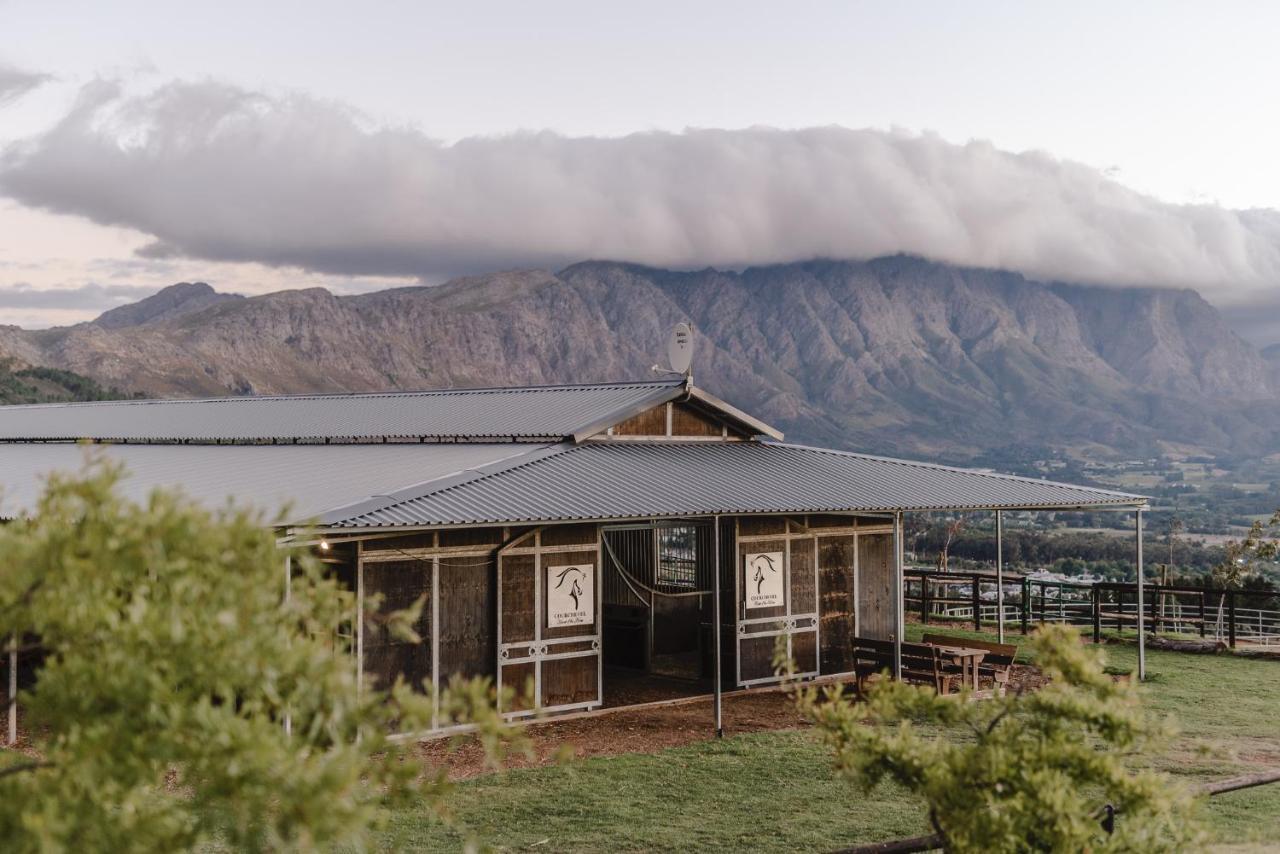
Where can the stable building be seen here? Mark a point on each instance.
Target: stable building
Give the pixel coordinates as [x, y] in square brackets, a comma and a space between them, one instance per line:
[611, 543]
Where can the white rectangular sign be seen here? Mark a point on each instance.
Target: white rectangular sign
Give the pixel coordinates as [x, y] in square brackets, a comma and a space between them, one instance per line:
[765, 580]
[571, 595]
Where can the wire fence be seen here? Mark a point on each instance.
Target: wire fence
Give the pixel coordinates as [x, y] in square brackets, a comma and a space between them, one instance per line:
[1233, 617]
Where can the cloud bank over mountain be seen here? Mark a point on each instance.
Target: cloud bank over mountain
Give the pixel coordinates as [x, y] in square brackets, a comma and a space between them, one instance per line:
[221, 173]
[15, 82]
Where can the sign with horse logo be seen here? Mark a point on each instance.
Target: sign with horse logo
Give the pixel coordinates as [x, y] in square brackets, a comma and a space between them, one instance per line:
[571, 598]
[765, 584]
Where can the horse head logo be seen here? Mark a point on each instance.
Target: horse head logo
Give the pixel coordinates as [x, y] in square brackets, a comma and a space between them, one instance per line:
[571, 575]
[762, 563]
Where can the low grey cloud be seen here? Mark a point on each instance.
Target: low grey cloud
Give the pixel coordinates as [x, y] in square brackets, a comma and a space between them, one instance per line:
[220, 173]
[91, 297]
[14, 82]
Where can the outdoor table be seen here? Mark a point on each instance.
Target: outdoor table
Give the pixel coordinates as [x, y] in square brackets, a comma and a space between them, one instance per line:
[968, 660]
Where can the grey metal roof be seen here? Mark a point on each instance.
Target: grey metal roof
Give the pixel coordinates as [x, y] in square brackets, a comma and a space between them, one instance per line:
[310, 478]
[604, 480]
[537, 413]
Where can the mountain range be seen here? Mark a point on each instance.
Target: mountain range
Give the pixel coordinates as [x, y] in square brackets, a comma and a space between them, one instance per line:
[895, 355]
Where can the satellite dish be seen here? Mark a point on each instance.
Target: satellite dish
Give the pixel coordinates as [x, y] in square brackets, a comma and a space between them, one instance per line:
[680, 348]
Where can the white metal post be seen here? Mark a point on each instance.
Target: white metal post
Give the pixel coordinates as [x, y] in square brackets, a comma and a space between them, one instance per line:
[898, 618]
[717, 690]
[1142, 634]
[1000, 576]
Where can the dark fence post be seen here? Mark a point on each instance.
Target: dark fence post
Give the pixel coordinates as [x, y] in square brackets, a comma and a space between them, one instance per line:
[1097, 614]
[977, 603]
[1026, 602]
[924, 598]
[1203, 595]
[1231, 619]
[1042, 607]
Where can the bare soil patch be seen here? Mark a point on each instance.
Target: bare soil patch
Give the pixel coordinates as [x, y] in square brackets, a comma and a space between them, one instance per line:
[644, 730]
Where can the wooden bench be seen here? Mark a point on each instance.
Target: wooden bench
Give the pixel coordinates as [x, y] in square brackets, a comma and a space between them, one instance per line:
[995, 664]
[921, 663]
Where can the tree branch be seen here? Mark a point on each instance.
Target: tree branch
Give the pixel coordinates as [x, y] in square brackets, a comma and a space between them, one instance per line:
[24, 766]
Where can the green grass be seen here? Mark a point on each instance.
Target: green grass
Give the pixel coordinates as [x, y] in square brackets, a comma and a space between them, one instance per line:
[776, 791]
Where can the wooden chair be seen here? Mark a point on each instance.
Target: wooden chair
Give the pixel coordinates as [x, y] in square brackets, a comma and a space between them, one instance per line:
[995, 664]
[921, 664]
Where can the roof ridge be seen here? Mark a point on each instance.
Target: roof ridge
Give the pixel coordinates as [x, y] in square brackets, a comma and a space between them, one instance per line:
[344, 395]
[961, 469]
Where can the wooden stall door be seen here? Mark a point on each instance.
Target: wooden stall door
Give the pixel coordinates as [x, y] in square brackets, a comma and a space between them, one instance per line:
[385, 655]
[549, 621]
[777, 600]
[876, 607]
[467, 617]
[837, 566]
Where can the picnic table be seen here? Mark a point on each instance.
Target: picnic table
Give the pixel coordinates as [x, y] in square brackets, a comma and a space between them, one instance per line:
[966, 658]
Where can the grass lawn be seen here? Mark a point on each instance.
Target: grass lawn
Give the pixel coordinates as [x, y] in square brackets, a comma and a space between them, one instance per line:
[775, 791]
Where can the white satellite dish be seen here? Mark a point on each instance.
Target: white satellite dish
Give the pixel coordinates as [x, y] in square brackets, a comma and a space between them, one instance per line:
[680, 348]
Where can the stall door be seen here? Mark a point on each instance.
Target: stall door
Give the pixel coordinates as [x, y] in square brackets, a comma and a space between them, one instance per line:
[777, 588]
[838, 599]
[876, 606]
[549, 621]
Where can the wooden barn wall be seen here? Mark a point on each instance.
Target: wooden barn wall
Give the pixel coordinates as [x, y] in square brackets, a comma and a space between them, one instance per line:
[651, 422]
[675, 419]
[342, 564]
[803, 592]
[839, 567]
[837, 594]
[876, 605]
[468, 615]
[400, 583]
[834, 545]
[687, 421]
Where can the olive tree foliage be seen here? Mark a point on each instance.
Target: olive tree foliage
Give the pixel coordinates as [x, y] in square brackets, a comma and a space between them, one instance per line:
[171, 659]
[1028, 771]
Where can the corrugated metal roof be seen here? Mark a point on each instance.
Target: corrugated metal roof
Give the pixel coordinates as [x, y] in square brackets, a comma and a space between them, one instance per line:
[537, 413]
[311, 478]
[603, 480]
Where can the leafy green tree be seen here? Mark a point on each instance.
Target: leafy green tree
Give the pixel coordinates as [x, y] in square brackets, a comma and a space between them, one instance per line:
[1029, 771]
[171, 661]
[1243, 558]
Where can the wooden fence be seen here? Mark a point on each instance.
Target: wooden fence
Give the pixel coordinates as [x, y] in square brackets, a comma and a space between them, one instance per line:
[1232, 616]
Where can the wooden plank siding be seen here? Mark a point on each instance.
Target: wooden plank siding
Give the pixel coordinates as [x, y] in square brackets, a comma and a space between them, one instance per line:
[468, 617]
[676, 420]
[400, 584]
[837, 594]
[876, 607]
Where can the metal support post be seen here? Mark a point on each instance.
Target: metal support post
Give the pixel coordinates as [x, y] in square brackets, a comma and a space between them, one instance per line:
[1142, 629]
[1000, 576]
[716, 617]
[898, 619]
[288, 592]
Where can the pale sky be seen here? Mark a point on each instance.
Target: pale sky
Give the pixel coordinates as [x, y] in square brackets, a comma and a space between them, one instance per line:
[1174, 102]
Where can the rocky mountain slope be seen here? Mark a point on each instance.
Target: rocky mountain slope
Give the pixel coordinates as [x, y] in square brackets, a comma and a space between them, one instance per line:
[896, 354]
